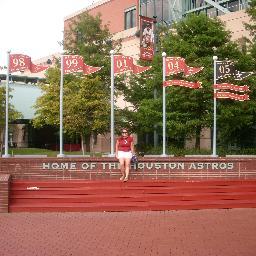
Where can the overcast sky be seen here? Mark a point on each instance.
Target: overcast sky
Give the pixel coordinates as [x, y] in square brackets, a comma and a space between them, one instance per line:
[34, 27]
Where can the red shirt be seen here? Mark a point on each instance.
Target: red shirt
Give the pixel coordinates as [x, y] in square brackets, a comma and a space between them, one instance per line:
[124, 144]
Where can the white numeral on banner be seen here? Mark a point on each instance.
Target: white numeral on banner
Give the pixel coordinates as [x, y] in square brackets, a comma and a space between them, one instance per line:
[173, 65]
[19, 62]
[224, 69]
[71, 62]
[121, 63]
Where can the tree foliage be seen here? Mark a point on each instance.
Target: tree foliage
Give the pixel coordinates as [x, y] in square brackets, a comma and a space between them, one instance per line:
[196, 38]
[86, 108]
[251, 11]
[237, 119]
[12, 113]
[87, 37]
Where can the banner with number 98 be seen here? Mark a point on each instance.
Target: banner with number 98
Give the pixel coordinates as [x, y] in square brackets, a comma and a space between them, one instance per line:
[19, 62]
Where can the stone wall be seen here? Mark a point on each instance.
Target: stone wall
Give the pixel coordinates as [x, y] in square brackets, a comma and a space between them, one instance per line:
[4, 192]
[148, 168]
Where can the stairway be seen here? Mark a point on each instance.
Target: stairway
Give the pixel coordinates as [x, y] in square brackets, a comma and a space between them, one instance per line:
[113, 195]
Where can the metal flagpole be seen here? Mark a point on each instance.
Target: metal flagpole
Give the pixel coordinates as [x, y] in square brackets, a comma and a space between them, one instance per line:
[61, 107]
[7, 107]
[155, 91]
[112, 127]
[215, 58]
[164, 104]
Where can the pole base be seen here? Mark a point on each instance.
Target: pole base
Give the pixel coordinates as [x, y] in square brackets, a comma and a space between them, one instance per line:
[60, 155]
[6, 155]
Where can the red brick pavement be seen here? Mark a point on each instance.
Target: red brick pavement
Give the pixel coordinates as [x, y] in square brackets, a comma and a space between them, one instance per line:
[203, 232]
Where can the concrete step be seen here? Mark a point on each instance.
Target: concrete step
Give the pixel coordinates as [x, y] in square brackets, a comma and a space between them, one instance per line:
[43, 196]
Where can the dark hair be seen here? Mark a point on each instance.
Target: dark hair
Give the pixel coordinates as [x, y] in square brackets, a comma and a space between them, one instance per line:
[124, 129]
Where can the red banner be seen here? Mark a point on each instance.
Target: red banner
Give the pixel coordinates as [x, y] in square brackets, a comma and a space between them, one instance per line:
[146, 38]
[230, 95]
[183, 83]
[19, 62]
[122, 64]
[87, 70]
[139, 69]
[73, 64]
[37, 68]
[191, 70]
[125, 64]
[175, 65]
[226, 86]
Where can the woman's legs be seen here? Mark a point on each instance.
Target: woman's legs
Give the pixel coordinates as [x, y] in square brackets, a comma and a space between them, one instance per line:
[127, 162]
[122, 167]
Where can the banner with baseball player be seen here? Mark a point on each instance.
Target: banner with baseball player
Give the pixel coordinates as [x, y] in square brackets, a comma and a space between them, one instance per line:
[146, 38]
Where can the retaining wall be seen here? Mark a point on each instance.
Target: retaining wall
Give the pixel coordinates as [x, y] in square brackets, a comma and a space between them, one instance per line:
[152, 168]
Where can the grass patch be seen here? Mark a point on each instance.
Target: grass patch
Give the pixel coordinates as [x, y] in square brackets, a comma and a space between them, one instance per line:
[150, 150]
[39, 151]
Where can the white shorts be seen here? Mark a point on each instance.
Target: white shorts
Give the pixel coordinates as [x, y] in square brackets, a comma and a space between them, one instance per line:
[124, 154]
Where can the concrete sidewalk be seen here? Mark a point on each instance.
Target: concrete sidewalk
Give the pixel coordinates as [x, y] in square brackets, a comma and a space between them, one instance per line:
[196, 233]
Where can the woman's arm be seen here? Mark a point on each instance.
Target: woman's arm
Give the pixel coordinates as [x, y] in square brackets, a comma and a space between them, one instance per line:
[117, 143]
[132, 148]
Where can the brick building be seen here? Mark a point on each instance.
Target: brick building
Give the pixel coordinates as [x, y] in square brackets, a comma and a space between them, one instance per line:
[122, 17]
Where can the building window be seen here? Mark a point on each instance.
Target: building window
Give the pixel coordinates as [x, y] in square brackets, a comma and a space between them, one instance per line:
[130, 18]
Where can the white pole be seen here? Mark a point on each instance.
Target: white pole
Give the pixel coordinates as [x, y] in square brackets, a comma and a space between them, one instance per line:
[7, 107]
[112, 127]
[214, 154]
[164, 104]
[61, 107]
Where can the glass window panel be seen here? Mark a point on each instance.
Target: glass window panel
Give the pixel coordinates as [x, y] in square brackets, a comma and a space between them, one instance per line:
[166, 11]
[150, 9]
[159, 10]
[143, 10]
[130, 18]
[143, 7]
[211, 12]
[127, 20]
[233, 6]
[133, 18]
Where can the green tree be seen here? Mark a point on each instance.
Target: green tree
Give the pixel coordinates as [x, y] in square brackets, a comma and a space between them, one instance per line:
[251, 11]
[237, 119]
[196, 38]
[86, 98]
[86, 107]
[86, 36]
[251, 27]
[13, 114]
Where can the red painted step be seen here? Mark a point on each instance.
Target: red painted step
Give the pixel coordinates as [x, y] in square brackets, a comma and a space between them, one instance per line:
[139, 198]
[79, 195]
